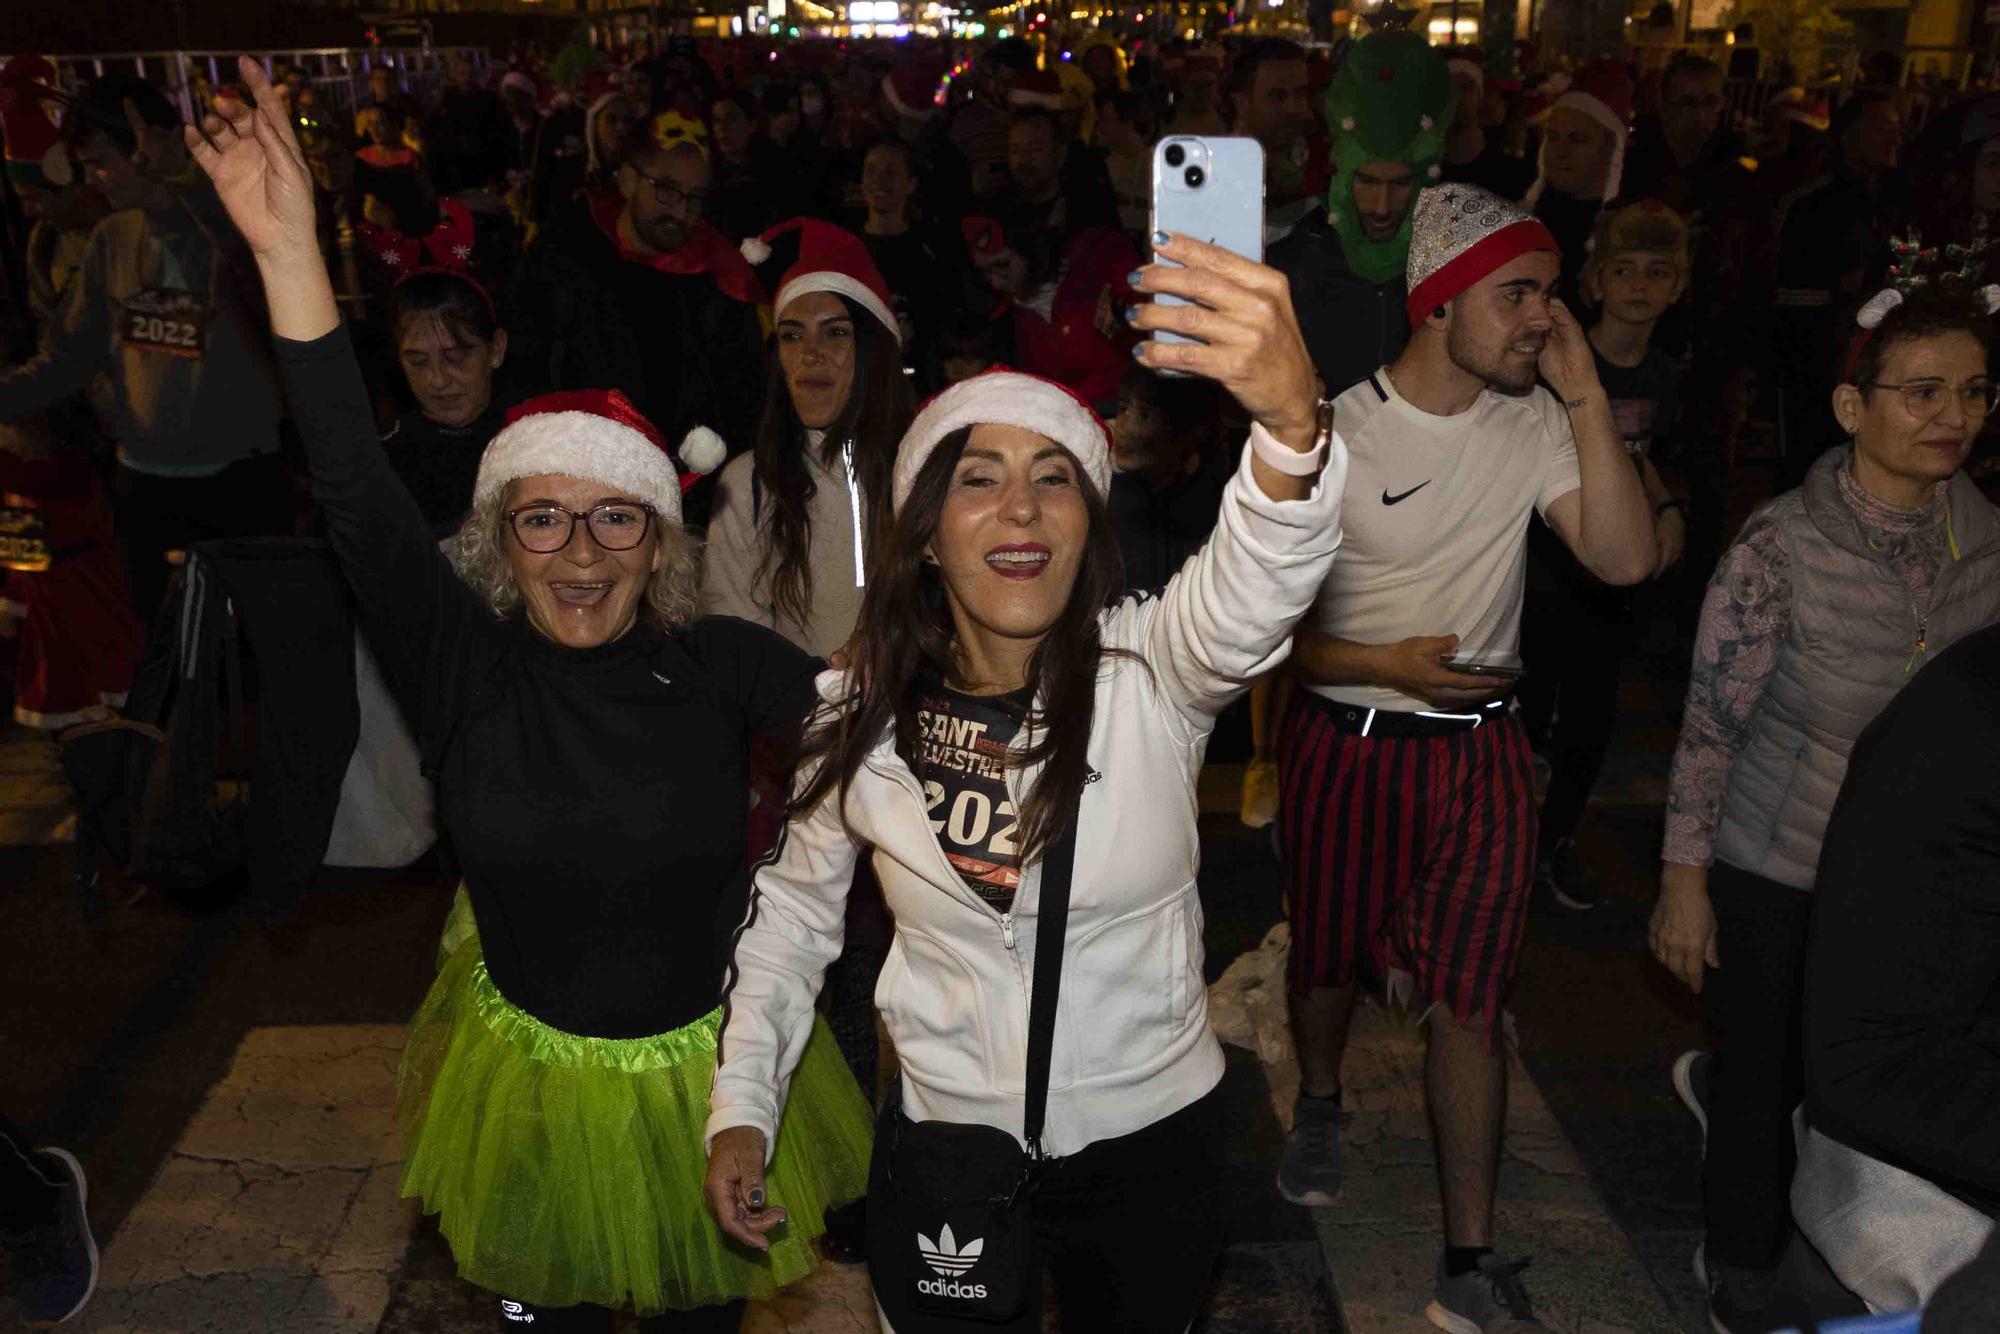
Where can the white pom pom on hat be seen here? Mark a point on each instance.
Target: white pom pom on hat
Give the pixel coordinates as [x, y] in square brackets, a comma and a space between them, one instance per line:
[702, 452]
[598, 436]
[1006, 398]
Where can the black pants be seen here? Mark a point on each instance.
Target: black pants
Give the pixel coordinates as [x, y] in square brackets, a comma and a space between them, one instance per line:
[156, 515]
[27, 1198]
[1758, 1073]
[522, 1318]
[1128, 1228]
[1575, 635]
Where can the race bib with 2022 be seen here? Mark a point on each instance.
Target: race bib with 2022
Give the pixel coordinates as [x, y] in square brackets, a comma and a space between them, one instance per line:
[165, 320]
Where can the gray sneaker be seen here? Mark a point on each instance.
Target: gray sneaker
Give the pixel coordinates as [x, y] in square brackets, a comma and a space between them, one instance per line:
[1489, 1300]
[1309, 1173]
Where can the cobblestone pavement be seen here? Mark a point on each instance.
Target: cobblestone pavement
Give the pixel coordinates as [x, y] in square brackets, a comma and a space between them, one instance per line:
[229, 1085]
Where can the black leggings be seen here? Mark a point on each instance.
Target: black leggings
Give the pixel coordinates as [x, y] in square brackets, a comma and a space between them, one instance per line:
[27, 1197]
[1575, 634]
[1758, 1075]
[523, 1318]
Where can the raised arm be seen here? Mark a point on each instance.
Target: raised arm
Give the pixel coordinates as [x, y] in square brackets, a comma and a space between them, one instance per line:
[379, 534]
[1606, 521]
[1227, 616]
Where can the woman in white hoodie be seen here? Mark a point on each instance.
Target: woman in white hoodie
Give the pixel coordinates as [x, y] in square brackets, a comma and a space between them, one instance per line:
[789, 536]
[1001, 682]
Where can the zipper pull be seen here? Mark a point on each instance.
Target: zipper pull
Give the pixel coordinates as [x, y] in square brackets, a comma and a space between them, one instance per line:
[1007, 929]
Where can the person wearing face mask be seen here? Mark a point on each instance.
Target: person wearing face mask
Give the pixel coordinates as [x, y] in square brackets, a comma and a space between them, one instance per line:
[588, 734]
[1009, 710]
[1401, 738]
[1582, 163]
[1833, 596]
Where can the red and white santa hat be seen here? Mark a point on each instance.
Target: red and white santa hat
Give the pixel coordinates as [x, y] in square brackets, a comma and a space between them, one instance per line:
[1005, 398]
[1459, 234]
[1036, 88]
[598, 436]
[1601, 90]
[911, 87]
[830, 259]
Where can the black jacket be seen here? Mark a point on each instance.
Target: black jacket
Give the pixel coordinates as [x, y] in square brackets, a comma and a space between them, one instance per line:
[1352, 327]
[1902, 976]
[684, 352]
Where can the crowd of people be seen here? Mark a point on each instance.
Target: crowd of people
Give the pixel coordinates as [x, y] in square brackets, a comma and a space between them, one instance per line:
[624, 392]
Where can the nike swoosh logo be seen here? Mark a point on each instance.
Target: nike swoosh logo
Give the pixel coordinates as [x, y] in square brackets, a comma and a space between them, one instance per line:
[1388, 499]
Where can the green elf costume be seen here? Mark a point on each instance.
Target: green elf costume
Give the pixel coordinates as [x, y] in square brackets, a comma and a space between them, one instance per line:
[1390, 103]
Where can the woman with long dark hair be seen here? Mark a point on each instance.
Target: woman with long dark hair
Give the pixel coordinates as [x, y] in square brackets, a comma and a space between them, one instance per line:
[788, 541]
[1009, 708]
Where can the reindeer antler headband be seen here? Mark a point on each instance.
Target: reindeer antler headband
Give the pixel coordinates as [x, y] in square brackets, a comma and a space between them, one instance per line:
[1909, 272]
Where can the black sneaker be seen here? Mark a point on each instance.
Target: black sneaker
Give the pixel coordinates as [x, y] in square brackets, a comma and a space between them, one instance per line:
[1309, 1170]
[54, 1267]
[1738, 1299]
[1560, 870]
[1691, 1083]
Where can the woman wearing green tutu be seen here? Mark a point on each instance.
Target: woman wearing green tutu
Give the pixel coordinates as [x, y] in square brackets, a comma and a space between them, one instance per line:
[588, 735]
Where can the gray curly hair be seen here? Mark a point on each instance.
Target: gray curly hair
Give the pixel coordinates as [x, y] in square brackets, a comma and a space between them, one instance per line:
[475, 552]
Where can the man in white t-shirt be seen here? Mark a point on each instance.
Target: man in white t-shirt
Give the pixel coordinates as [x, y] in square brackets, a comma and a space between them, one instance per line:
[1407, 808]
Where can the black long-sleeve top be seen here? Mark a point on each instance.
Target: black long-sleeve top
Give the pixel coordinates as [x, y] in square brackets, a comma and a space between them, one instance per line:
[596, 797]
[1902, 1004]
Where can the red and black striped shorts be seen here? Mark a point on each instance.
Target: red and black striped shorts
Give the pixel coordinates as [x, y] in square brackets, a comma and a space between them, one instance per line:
[1407, 856]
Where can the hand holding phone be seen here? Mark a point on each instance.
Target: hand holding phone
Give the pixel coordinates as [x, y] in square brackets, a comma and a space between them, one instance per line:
[1422, 668]
[1211, 190]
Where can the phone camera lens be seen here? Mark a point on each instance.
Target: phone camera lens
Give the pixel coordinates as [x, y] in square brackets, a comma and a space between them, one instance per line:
[1176, 155]
[1195, 176]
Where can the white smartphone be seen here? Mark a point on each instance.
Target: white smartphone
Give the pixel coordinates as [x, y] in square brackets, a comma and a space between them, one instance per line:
[1212, 190]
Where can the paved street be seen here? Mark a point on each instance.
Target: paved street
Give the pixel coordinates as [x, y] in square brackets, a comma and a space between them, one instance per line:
[229, 1087]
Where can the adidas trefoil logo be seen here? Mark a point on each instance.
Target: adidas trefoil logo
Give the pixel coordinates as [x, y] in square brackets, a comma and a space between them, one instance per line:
[944, 1255]
[950, 1261]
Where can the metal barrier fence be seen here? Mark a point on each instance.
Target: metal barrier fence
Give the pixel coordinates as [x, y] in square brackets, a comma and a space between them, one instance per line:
[339, 74]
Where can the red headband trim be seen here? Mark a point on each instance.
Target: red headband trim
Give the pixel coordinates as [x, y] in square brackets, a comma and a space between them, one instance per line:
[1473, 263]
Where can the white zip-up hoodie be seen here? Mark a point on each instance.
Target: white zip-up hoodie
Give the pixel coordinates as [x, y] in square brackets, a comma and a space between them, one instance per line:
[1132, 1039]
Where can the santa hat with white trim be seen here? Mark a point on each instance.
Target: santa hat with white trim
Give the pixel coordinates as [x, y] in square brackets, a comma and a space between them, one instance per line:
[598, 436]
[822, 258]
[1602, 91]
[1006, 398]
[1458, 235]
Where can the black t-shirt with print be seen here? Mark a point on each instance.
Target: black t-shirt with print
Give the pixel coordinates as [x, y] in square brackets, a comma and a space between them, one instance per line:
[1645, 400]
[962, 760]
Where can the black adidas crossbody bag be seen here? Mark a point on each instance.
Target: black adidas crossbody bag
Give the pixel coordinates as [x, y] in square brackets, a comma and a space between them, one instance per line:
[951, 1229]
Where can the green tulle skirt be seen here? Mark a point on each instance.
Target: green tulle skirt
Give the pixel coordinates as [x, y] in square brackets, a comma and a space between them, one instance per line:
[567, 1169]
